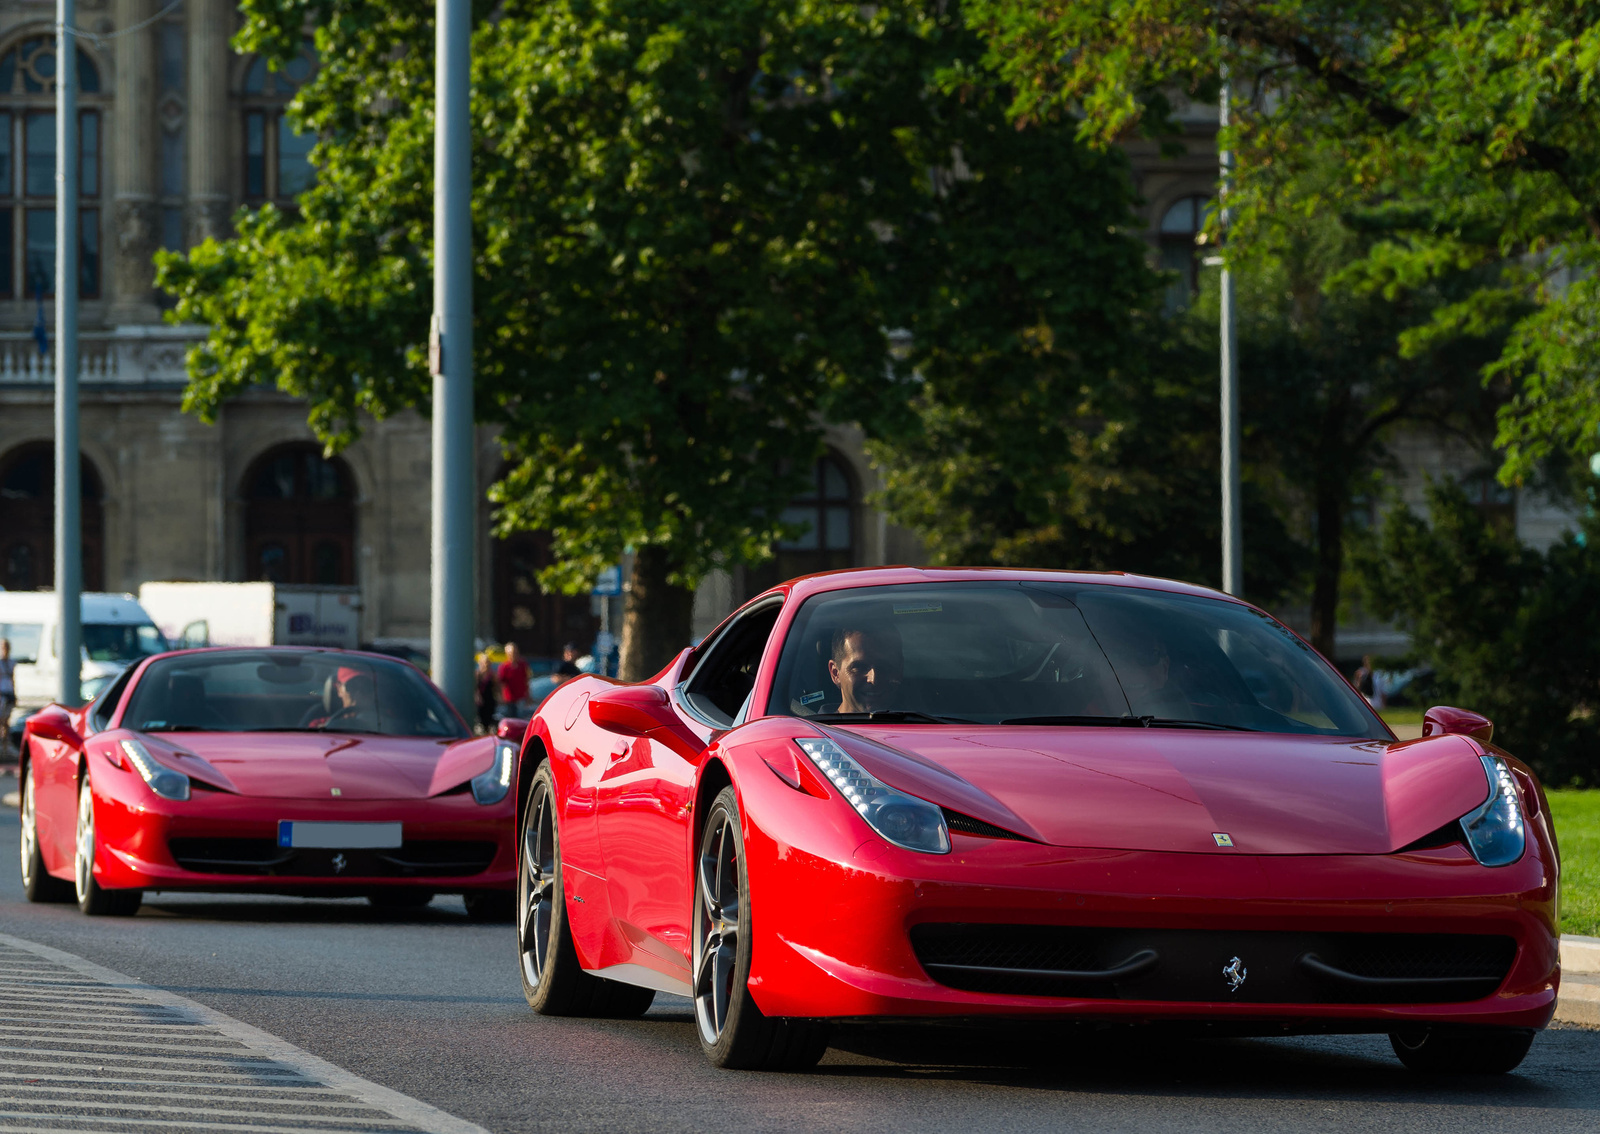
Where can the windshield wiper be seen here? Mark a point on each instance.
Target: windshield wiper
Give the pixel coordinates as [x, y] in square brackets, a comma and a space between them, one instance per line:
[1174, 722]
[1125, 722]
[896, 715]
[1108, 722]
[185, 728]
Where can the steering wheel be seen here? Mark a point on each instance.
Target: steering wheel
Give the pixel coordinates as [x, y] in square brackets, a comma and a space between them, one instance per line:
[343, 713]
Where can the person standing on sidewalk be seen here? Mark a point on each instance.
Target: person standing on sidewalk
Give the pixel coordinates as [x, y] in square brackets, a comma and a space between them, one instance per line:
[487, 693]
[8, 694]
[513, 678]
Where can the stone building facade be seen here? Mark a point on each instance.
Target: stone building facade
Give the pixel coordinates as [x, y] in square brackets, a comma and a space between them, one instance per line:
[179, 131]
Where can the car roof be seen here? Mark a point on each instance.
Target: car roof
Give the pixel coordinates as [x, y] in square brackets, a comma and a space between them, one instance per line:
[95, 606]
[808, 585]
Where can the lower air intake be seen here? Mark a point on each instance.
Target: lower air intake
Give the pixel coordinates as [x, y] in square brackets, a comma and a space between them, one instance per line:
[1252, 967]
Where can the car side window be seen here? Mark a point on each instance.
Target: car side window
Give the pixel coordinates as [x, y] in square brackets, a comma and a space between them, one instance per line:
[723, 679]
[106, 703]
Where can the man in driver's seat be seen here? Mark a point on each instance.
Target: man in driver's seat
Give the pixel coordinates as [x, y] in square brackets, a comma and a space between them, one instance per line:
[866, 664]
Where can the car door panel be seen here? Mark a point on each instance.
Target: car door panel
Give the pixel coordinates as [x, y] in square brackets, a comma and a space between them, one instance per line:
[646, 801]
[645, 798]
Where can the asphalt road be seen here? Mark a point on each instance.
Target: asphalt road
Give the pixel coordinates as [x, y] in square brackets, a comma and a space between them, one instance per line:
[428, 1004]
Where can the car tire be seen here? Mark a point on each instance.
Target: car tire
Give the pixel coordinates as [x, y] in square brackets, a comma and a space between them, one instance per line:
[1462, 1051]
[93, 899]
[733, 1032]
[399, 899]
[490, 907]
[38, 885]
[553, 982]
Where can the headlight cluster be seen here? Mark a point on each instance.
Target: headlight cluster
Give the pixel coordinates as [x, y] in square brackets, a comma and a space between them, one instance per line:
[1495, 831]
[491, 786]
[902, 819]
[166, 782]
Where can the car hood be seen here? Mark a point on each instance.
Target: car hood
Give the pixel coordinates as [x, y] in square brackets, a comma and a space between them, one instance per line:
[302, 765]
[1178, 789]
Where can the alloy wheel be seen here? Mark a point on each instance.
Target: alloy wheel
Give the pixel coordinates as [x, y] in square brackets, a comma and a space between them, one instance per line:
[30, 832]
[536, 884]
[83, 853]
[717, 927]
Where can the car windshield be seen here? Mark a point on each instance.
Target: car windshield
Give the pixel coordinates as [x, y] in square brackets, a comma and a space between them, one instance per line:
[112, 641]
[1058, 653]
[287, 691]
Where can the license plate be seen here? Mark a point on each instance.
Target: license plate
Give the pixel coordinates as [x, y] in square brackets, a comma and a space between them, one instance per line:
[338, 836]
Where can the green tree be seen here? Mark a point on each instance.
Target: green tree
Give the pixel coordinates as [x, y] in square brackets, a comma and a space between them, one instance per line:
[679, 215]
[1472, 126]
[1058, 418]
[1511, 632]
[1328, 385]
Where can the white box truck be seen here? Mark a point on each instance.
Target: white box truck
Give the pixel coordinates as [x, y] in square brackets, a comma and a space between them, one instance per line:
[255, 614]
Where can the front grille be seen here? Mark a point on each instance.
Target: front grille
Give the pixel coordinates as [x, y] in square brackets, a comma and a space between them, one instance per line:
[415, 858]
[1189, 965]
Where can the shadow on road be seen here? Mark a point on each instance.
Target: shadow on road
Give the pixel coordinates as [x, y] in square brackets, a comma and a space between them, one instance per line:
[1151, 1061]
[294, 910]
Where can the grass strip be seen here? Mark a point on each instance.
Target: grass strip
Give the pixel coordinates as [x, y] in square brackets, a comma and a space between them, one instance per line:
[1577, 821]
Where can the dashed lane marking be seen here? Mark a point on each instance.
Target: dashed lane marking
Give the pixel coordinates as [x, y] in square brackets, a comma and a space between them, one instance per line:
[87, 1050]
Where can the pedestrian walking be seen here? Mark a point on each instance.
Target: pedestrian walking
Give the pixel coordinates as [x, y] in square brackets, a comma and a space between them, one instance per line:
[569, 662]
[1366, 682]
[513, 678]
[8, 694]
[487, 693]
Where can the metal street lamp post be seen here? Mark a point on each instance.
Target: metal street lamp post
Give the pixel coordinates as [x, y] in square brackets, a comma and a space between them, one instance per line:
[69, 531]
[450, 357]
[1232, 529]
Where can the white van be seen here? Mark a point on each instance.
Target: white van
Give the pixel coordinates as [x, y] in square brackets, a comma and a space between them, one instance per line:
[116, 633]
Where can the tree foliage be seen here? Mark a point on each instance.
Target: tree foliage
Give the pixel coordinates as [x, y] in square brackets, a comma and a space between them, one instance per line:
[687, 226]
[1509, 631]
[1465, 132]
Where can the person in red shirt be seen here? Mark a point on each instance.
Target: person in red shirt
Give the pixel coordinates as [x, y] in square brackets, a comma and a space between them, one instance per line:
[513, 676]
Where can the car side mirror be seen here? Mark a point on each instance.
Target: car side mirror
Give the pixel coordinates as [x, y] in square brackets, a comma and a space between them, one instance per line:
[512, 729]
[645, 710]
[53, 723]
[1443, 720]
[632, 710]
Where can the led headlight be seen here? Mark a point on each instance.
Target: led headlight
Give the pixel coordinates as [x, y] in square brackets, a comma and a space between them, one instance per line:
[166, 782]
[1495, 831]
[904, 820]
[491, 786]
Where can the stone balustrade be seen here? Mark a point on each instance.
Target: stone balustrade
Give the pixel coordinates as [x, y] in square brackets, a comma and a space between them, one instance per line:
[138, 355]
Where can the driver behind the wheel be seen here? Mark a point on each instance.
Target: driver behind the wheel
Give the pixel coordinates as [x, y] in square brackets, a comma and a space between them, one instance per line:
[355, 701]
[867, 665]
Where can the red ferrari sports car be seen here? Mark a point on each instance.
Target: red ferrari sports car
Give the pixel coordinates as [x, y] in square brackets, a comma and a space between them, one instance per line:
[906, 794]
[281, 770]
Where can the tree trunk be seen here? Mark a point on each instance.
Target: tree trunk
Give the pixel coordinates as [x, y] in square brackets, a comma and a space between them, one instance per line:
[657, 620]
[1331, 504]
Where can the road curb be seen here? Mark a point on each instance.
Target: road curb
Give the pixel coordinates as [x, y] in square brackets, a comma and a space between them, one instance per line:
[1579, 1000]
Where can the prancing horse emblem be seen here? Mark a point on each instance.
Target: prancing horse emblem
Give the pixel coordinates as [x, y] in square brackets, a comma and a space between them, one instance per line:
[1236, 973]
[340, 862]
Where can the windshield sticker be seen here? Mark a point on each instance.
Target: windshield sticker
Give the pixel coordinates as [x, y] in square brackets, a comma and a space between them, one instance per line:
[925, 608]
[813, 698]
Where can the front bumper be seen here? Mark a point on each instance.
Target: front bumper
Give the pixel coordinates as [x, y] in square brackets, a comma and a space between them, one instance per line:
[833, 909]
[137, 839]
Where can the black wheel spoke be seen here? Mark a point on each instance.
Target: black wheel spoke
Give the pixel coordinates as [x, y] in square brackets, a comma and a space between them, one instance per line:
[537, 884]
[717, 918]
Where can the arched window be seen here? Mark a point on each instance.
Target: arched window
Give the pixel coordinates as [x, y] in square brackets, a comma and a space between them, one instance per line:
[28, 170]
[277, 163]
[1183, 221]
[27, 520]
[827, 510]
[300, 518]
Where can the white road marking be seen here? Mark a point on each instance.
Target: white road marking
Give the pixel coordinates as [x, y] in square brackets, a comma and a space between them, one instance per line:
[58, 1009]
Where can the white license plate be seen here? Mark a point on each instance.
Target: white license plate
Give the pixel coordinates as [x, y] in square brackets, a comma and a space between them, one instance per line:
[337, 836]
